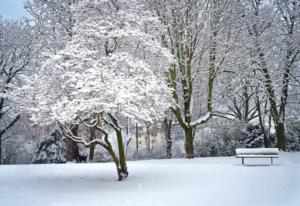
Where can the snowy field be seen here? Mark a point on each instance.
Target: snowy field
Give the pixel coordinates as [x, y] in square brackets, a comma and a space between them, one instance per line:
[178, 182]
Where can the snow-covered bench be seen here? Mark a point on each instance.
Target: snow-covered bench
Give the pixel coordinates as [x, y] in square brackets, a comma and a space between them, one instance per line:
[257, 153]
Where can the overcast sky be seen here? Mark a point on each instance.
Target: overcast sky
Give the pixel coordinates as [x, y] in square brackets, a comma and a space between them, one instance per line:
[12, 9]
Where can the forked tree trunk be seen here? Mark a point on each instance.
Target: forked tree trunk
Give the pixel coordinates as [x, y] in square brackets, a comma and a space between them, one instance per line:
[120, 167]
[119, 160]
[116, 161]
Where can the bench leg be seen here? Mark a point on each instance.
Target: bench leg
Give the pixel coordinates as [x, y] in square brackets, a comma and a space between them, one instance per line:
[271, 160]
[242, 160]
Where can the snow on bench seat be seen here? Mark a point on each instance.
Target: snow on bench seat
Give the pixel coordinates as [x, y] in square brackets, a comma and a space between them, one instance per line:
[257, 153]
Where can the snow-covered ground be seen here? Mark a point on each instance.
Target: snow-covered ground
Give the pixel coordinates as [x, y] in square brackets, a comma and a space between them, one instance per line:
[177, 182]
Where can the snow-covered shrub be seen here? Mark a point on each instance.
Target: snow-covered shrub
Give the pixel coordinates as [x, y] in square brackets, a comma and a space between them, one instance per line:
[17, 150]
[293, 136]
[221, 141]
[51, 149]
[253, 137]
[19, 143]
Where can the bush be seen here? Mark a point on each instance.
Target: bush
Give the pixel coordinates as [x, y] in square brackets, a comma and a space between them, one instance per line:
[253, 137]
[51, 149]
[220, 141]
[292, 136]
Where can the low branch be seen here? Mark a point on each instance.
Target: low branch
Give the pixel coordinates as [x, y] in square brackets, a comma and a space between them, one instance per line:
[68, 134]
[10, 125]
[202, 119]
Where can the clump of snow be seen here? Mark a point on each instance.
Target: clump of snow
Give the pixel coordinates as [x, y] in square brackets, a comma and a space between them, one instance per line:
[202, 119]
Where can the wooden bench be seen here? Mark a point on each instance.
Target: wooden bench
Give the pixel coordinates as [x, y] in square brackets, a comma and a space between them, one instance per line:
[257, 153]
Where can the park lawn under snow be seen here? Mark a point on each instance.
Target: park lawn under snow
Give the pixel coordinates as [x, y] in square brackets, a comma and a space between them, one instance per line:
[177, 182]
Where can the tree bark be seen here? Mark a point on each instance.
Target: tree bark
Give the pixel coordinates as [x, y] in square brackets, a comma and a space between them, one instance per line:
[147, 137]
[261, 123]
[72, 149]
[137, 137]
[168, 127]
[92, 148]
[280, 133]
[91, 154]
[189, 142]
[122, 158]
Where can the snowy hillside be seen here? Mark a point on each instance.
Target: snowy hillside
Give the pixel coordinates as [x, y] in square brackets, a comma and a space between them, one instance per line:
[177, 182]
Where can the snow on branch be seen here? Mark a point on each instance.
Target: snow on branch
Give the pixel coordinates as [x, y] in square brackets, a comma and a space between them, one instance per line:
[68, 134]
[202, 119]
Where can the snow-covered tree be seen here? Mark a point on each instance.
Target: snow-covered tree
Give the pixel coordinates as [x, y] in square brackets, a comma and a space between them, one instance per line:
[263, 75]
[113, 67]
[16, 52]
[53, 21]
[201, 35]
[183, 23]
[273, 47]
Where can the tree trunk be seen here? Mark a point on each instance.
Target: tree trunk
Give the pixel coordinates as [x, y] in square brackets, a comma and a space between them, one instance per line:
[189, 142]
[137, 137]
[114, 158]
[72, 149]
[168, 126]
[279, 124]
[92, 151]
[261, 122]
[92, 148]
[122, 158]
[147, 137]
[280, 133]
